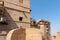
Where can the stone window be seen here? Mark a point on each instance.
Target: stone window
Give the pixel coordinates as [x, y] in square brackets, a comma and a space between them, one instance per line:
[1, 11]
[46, 26]
[21, 1]
[20, 18]
[34, 22]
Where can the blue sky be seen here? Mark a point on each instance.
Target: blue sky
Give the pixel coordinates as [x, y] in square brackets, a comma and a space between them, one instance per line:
[48, 10]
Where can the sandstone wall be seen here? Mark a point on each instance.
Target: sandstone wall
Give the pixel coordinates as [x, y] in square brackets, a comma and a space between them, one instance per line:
[24, 34]
[58, 36]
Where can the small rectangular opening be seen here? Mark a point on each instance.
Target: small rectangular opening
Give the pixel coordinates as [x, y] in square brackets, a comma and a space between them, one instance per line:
[20, 18]
[34, 22]
[1, 11]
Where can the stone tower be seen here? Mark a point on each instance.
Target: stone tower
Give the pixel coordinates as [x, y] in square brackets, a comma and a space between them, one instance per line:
[44, 27]
[13, 14]
[19, 11]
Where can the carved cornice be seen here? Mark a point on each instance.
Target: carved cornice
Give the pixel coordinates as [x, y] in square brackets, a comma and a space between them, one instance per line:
[17, 10]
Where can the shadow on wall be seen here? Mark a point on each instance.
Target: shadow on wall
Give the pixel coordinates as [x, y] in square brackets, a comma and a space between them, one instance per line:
[10, 22]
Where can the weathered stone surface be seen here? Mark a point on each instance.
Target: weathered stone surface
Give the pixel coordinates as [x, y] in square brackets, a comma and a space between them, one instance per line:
[33, 34]
[24, 34]
[12, 10]
[58, 35]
